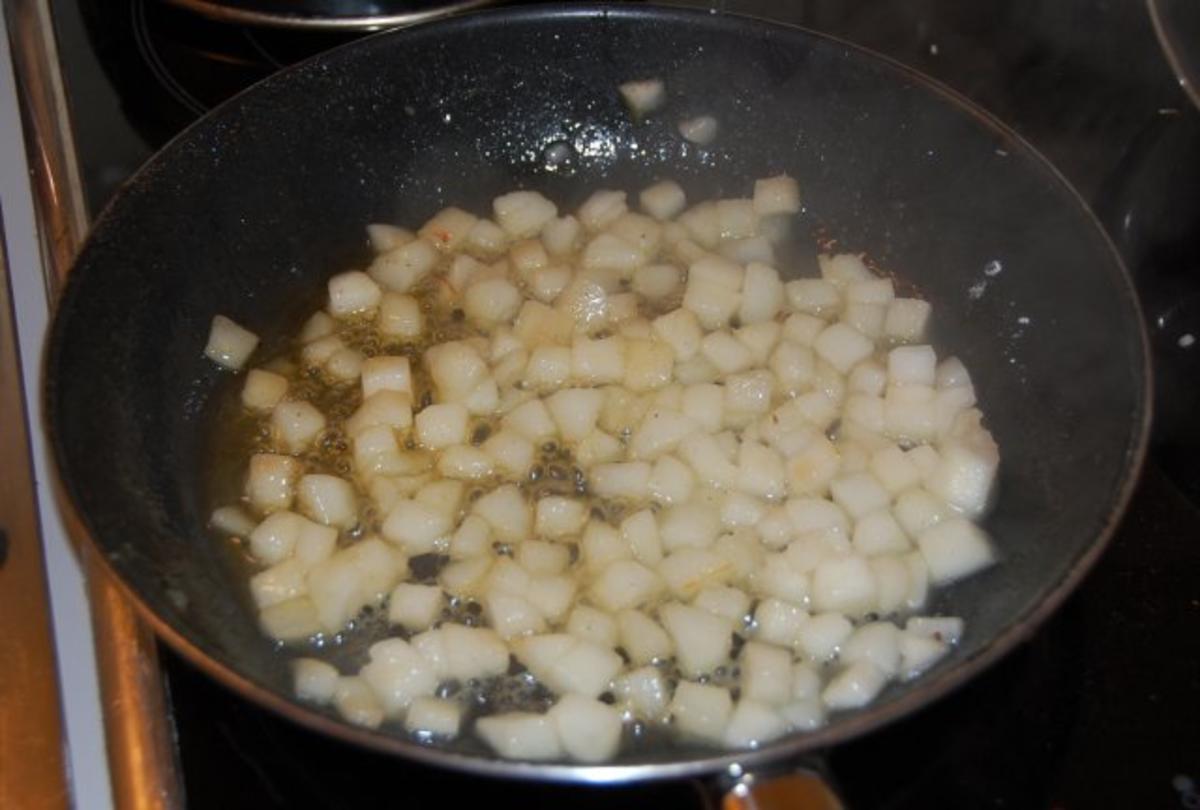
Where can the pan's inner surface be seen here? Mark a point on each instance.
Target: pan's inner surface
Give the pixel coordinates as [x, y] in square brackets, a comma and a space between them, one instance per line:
[249, 212]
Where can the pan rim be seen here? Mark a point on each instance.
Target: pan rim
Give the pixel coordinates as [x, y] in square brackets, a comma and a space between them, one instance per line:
[933, 687]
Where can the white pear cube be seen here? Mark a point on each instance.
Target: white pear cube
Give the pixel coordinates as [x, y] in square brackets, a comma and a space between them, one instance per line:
[328, 499]
[434, 717]
[465, 462]
[844, 583]
[293, 619]
[523, 213]
[843, 347]
[263, 389]
[892, 467]
[753, 723]
[702, 640]
[357, 703]
[640, 532]
[601, 545]
[457, 369]
[918, 509]
[689, 570]
[400, 316]
[766, 673]
[909, 412]
[811, 468]
[704, 404]
[352, 578]
[592, 625]
[492, 301]
[657, 282]
[314, 680]
[575, 411]
[713, 291]
[663, 200]
[441, 425]
[879, 533]
[386, 373]
[472, 652]
[511, 615]
[296, 425]
[776, 195]
[859, 494]
[390, 408]
[590, 731]
[596, 362]
[701, 711]
[643, 639]
[507, 512]
[552, 595]
[943, 628]
[853, 687]
[282, 581]
[912, 365]
[694, 524]
[565, 663]
[812, 296]
[541, 557]
[229, 344]
[803, 715]
[549, 368]
[556, 516]
[954, 548]
[315, 542]
[607, 251]
[232, 520]
[877, 642]
[353, 293]
[560, 235]
[892, 581]
[465, 577]
[625, 584]
[401, 268]
[274, 540]
[415, 607]
[671, 481]
[736, 218]
[726, 352]
[397, 674]
[271, 483]
[601, 209]
[520, 736]
[532, 420]
[906, 319]
[511, 452]
[384, 237]
[919, 653]
[720, 600]
[627, 479]
[449, 228]
[966, 472]
[680, 330]
[779, 622]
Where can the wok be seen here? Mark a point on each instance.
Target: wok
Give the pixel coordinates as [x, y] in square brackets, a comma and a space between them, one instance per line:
[248, 211]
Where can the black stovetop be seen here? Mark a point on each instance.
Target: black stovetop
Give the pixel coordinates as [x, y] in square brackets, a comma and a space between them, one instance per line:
[1100, 708]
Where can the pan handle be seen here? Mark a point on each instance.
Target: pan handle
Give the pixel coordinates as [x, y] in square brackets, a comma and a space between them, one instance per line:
[804, 785]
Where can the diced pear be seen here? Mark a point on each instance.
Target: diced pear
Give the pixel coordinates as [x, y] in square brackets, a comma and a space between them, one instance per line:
[590, 731]
[520, 735]
[701, 711]
[702, 640]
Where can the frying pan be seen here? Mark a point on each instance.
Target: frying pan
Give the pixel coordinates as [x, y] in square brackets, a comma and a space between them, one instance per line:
[250, 210]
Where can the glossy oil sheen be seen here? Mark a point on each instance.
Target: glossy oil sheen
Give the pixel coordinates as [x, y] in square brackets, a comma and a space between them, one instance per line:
[248, 212]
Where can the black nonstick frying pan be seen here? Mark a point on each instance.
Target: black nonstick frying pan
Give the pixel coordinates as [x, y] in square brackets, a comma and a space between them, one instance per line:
[250, 210]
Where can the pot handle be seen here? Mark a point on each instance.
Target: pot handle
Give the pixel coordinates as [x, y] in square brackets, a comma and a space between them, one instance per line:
[804, 785]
